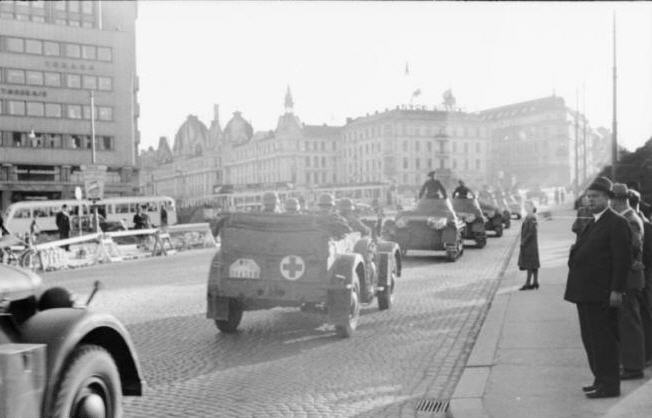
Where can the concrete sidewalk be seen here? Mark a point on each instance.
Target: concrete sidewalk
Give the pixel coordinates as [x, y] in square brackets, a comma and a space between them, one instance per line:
[528, 360]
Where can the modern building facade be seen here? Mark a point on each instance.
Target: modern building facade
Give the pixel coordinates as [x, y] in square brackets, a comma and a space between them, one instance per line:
[542, 142]
[400, 146]
[52, 56]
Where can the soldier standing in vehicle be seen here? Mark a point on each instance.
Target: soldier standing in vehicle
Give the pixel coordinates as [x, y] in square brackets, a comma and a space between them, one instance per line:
[336, 225]
[461, 191]
[270, 202]
[432, 188]
[345, 207]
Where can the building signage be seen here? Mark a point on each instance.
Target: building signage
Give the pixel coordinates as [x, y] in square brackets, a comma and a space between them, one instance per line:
[23, 92]
[94, 177]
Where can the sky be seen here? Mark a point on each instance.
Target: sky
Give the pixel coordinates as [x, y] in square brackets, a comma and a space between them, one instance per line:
[347, 59]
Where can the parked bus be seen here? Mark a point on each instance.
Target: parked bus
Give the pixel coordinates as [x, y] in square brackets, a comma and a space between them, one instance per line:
[19, 216]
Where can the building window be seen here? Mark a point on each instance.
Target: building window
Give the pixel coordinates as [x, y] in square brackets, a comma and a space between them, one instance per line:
[16, 76]
[405, 163]
[35, 109]
[104, 53]
[75, 23]
[89, 52]
[86, 24]
[429, 163]
[307, 161]
[104, 113]
[442, 163]
[466, 164]
[74, 111]
[90, 82]
[417, 164]
[323, 162]
[477, 164]
[107, 142]
[316, 162]
[16, 107]
[53, 79]
[35, 78]
[72, 50]
[405, 146]
[429, 146]
[33, 46]
[454, 146]
[454, 164]
[417, 146]
[15, 44]
[53, 110]
[105, 83]
[477, 147]
[73, 81]
[466, 148]
[51, 49]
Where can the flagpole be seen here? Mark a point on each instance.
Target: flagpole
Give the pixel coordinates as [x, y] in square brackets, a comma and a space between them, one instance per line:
[577, 143]
[614, 128]
[584, 159]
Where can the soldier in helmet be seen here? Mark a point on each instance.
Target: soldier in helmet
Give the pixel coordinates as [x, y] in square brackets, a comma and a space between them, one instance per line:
[345, 207]
[270, 202]
[292, 206]
[326, 203]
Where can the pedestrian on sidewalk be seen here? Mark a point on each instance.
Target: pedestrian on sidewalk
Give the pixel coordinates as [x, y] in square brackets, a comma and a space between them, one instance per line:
[528, 257]
[584, 216]
[598, 266]
[632, 342]
[646, 300]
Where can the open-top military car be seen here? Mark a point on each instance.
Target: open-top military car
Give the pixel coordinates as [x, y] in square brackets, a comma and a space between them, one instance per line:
[432, 226]
[494, 217]
[515, 203]
[299, 260]
[57, 360]
[501, 203]
[468, 210]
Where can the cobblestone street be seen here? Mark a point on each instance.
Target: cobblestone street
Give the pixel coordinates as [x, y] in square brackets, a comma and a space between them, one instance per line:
[288, 363]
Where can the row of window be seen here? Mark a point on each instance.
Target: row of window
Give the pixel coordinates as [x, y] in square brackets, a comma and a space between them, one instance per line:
[54, 110]
[55, 140]
[319, 178]
[315, 162]
[402, 129]
[86, 6]
[55, 79]
[318, 146]
[417, 164]
[55, 49]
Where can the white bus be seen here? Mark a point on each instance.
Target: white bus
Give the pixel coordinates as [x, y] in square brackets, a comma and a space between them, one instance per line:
[19, 216]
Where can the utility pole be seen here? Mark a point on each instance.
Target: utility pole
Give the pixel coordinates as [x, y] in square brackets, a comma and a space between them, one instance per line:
[614, 128]
[577, 144]
[584, 159]
[92, 128]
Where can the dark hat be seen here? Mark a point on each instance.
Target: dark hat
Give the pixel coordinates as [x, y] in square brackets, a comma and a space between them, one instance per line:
[602, 184]
[432, 173]
[620, 191]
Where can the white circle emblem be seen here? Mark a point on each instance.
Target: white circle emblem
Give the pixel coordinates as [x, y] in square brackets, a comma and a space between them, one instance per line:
[292, 267]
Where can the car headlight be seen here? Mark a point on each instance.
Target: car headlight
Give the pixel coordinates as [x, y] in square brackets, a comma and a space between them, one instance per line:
[470, 218]
[401, 223]
[436, 223]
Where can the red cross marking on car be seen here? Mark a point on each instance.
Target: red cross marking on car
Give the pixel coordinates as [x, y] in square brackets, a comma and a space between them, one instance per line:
[292, 267]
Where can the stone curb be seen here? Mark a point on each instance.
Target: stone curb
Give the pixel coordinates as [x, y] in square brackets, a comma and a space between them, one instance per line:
[466, 401]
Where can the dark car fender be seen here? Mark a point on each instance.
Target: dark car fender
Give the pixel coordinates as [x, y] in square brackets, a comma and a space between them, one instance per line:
[63, 329]
[344, 269]
[394, 249]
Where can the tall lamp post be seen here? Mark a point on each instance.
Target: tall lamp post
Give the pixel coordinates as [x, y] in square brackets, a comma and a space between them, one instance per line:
[614, 136]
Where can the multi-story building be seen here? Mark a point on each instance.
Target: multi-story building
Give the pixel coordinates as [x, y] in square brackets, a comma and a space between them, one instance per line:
[52, 56]
[203, 159]
[400, 146]
[542, 142]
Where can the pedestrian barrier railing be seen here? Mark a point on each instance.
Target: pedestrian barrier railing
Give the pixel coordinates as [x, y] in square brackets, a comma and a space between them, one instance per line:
[106, 247]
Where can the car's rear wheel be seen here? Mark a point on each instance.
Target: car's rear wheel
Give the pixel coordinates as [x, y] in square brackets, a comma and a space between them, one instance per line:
[230, 325]
[89, 387]
[348, 327]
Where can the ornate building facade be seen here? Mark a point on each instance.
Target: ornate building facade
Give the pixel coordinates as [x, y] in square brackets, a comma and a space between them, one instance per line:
[400, 146]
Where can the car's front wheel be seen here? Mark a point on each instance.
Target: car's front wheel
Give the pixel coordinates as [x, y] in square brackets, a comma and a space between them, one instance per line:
[89, 386]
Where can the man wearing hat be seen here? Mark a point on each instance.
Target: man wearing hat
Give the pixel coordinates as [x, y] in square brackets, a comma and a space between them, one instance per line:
[432, 188]
[632, 342]
[599, 263]
[644, 207]
[345, 207]
[634, 198]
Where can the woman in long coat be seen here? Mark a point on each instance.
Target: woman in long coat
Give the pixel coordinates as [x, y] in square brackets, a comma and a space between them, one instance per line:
[528, 258]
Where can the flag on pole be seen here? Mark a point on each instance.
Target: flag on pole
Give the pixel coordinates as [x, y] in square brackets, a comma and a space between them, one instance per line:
[416, 93]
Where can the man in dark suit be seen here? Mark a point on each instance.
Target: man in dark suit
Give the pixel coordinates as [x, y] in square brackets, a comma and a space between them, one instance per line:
[599, 263]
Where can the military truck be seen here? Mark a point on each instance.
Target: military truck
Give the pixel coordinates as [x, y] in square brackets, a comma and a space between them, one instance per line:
[468, 210]
[298, 260]
[494, 217]
[58, 360]
[431, 226]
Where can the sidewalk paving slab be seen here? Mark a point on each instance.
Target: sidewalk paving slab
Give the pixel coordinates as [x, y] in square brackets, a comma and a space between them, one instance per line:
[528, 360]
